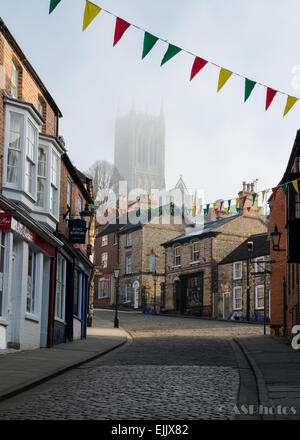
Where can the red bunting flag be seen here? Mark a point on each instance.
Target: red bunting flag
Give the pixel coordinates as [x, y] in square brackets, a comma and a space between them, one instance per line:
[270, 96]
[274, 190]
[199, 63]
[221, 205]
[244, 200]
[248, 209]
[121, 27]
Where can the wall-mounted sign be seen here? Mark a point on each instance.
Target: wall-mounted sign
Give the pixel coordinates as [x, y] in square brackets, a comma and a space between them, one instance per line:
[77, 231]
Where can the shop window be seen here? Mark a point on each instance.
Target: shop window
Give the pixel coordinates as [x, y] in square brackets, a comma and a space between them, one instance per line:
[60, 288]
[31, 285]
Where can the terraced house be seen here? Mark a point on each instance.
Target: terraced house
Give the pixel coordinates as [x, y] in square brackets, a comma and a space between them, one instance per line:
[192, 258]
[33, 289]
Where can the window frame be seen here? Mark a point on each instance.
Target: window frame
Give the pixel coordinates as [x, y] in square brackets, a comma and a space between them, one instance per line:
[260, 268]
[234, 277]
[195, 260]
[60, 307]
[104, 260]
[79, 287]
[177, 256]
[33, 294]
[234, 298]
[128, 267]
[128, 239]
[104, 240]
[106, 291]
[3, 265]
[15, 72]
[127, 295]
[260, 286]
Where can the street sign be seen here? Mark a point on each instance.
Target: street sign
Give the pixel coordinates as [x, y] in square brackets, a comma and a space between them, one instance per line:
[77, 231]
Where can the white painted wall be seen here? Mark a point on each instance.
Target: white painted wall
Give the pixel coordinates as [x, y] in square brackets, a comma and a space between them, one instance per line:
[76, 328]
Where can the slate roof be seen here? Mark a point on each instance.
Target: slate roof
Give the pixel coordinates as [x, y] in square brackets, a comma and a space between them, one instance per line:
[208, 229]
[261, 247]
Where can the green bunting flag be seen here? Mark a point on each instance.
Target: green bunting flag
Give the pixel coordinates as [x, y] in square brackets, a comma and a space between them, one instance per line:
[254, 197]
[171, 52]
[284, 188]
[53, 4]
[229, 204]
[271, 208]
[149, 42]
[249, 86]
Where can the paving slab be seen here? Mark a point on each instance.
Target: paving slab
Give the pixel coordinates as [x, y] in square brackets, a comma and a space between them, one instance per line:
[21, 370]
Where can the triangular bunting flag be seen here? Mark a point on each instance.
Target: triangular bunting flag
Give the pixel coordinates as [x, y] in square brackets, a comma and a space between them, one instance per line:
[274, 192]
[199, 63]
[238, 209]
[121, 27]
[259, 208]
[291, 100]
[244, 201]
[295, 185]
[263, 194]
[237, 202]
[214, 207]
[229, 204]
[248, 208]
[223, 77]
[53, 4]
[149, 42]
[284, 189]
[226, 210]
[271, 208]
[171, 52]
[194, 210]
[90, 13]
[270, 96]
[253, 197]
[249, 86]
[216, 211]
[221, 205]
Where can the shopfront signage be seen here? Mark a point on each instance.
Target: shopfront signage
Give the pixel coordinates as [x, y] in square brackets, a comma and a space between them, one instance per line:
[77, 231]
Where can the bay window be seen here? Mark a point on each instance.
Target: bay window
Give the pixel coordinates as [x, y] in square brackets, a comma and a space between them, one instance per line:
[54, 184]
[14, 147]
[30, 159]
[41, 178]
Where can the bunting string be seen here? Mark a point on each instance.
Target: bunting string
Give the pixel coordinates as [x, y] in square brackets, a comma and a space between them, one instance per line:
[92, 10]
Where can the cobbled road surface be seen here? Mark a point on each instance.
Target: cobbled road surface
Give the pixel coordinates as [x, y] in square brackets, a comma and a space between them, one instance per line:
[172, 368]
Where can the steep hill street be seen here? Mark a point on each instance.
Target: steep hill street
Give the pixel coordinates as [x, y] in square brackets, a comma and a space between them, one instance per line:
[171, 368]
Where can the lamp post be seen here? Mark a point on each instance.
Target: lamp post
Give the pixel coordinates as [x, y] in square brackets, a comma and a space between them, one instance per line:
[116, 275]
[155, 276]
[276, 236]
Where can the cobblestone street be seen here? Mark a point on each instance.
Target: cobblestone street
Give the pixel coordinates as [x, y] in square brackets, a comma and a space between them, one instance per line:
[172, 368]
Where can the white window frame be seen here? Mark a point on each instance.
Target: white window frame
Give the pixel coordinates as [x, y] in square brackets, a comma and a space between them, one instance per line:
[261, 286]
[14, 82]
[33, 294]
[104, 240]
[103, 288]
[128, 239]
[195, 252]
[42, 178]
[15, 150]
[259, 268]
[79, 296]
[234, 298]
[152, 262]
[60, 298]
[177, 256]
[127, 296]
[234, 276]
[128, 265]
[31, 160]
[104, 260]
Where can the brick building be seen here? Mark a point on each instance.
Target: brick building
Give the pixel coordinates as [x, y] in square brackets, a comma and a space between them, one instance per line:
[235, 270]
[35, 303]
[285, 218]
[192, 258]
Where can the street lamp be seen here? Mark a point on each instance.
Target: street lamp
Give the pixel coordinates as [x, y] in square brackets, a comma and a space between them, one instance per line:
[116, 275]
[155, 277]
[276, 236]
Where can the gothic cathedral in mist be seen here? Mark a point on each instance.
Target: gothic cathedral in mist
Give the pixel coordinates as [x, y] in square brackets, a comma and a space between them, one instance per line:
[140, 150]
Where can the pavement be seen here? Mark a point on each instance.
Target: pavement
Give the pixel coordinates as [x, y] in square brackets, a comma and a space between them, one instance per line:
[22, 370]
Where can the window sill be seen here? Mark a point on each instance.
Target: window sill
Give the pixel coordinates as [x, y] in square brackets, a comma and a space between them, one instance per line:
[195, 262]
[259, 308]
[56, 318]
[128, 246]
[235, 310]
[31, 317]
[177, 266]
[3, 322]
[77, 317]
[237, 279]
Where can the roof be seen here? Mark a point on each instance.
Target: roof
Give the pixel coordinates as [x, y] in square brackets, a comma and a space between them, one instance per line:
[209, 228]
[261, 247]
[28, 66]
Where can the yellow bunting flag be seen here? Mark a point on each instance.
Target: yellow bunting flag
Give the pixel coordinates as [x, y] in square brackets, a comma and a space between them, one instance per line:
[295, 185]
[223, 77]
[194, 210]
[237, 202]
[214, 207]
[263, 195]
[90, 12]
[226, 210]
[259, 208]
[291, 100]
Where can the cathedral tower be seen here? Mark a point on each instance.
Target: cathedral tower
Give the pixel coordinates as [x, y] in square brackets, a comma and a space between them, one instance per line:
[140, 150]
